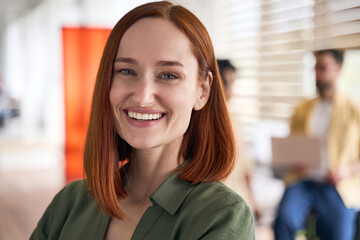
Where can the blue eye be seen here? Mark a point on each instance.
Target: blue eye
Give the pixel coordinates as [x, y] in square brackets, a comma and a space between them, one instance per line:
[126, 72]
[169, 76]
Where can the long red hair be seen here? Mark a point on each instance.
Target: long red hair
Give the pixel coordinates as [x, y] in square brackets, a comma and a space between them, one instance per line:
[208, 143]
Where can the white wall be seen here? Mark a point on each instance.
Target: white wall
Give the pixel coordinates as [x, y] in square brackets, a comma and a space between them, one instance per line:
[205, 14]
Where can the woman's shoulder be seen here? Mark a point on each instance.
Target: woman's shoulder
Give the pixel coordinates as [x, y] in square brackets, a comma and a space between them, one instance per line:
[217, 195]
[71, 194]
[75, 189]
[67, 200]
[72, 197]
[68, 212]
[77, 184]
[207, 189]
[218, 212]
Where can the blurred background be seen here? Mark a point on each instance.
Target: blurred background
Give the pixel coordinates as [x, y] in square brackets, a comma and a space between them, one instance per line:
[50, 51]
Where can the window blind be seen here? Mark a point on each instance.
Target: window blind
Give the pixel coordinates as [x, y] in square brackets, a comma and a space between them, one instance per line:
[271, 44]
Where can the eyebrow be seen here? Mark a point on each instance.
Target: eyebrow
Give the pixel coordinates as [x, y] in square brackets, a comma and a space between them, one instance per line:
[169, 63]
[126, 60]
[160, 63]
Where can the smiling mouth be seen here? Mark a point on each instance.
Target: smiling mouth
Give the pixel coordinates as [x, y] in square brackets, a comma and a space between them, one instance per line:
[144, 116]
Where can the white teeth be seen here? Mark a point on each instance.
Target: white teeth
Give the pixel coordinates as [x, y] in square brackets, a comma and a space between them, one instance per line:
[140, 116]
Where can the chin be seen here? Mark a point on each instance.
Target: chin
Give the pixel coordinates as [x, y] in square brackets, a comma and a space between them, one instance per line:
[142, 144]
[322, 87]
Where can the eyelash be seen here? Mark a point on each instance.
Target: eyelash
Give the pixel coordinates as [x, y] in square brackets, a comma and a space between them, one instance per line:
[127, 72]
[163, 76]
[171, 75]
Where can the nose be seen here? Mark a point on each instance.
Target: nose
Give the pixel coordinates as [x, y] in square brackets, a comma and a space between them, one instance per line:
[144, 95]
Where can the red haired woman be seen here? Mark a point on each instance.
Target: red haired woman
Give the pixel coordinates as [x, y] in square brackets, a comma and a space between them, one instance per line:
[159, 139]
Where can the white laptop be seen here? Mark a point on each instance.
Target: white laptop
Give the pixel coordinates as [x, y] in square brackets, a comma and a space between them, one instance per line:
[294, 150]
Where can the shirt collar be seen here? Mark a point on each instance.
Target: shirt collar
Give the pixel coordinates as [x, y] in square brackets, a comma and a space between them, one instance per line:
[172, 193]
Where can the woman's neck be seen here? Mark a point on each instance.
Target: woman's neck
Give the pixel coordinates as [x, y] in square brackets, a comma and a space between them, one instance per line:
[149, 168]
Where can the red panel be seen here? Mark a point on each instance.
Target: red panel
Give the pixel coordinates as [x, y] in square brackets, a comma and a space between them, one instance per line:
[82, 49]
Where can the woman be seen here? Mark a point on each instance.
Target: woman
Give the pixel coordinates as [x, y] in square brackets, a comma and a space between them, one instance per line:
[159, 115]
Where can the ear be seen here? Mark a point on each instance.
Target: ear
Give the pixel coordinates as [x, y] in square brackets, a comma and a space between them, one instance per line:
[203, 92]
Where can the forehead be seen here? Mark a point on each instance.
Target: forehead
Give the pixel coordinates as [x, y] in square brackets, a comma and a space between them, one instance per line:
[155, 36]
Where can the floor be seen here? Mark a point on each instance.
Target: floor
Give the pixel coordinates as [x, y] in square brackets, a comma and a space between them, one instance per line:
[23, 199]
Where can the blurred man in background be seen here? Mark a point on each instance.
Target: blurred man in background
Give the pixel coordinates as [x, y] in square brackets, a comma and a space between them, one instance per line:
[333, 190]
[228, 75]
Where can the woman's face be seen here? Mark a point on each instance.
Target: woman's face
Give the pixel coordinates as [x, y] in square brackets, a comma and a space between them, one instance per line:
[155, 84]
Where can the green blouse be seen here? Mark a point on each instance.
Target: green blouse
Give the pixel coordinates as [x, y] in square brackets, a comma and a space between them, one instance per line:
[179, 210]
